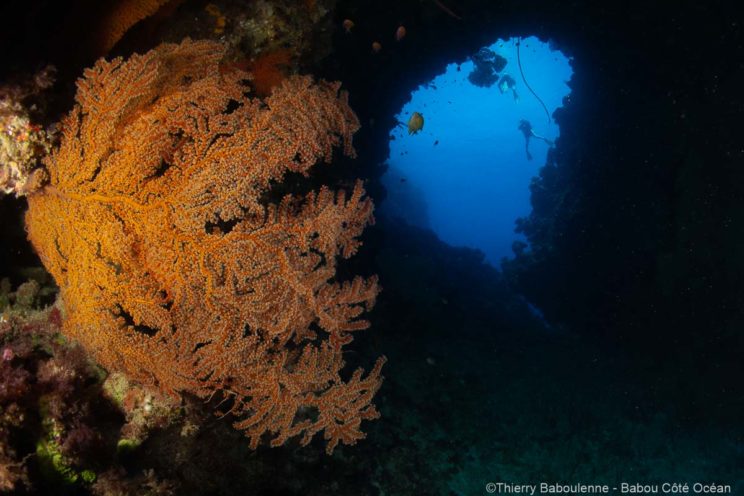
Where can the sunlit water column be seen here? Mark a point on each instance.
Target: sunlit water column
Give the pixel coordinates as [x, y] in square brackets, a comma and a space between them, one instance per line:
[466, 174]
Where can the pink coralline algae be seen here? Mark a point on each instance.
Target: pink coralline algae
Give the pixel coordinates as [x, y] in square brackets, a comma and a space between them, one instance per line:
[8, 354]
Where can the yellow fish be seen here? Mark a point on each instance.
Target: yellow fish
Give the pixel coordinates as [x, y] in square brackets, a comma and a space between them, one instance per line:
[415, 123]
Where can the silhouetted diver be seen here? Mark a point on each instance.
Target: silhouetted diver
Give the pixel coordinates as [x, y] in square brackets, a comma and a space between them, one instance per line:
[526, 128]
[507, 83]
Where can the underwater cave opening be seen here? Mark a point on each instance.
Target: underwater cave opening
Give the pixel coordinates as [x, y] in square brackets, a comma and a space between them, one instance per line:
[466, 173]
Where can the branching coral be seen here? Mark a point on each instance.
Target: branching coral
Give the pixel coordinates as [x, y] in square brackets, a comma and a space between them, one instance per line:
[172, 267]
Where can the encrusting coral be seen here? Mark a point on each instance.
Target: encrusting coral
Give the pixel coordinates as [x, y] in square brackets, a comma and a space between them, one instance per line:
[23, 142]
[175, 268]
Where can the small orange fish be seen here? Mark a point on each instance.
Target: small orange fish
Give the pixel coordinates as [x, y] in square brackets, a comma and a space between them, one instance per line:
[400, 33]
[376, 47]
[348, 24]
[415, 123]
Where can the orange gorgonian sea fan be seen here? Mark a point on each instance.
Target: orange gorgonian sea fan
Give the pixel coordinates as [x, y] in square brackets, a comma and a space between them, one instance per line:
[171, 267]
[120, 15]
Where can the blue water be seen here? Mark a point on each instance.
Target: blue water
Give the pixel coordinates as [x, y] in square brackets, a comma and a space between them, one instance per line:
[466, 175]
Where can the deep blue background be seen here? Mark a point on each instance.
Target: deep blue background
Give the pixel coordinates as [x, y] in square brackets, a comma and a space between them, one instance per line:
[471, 186]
